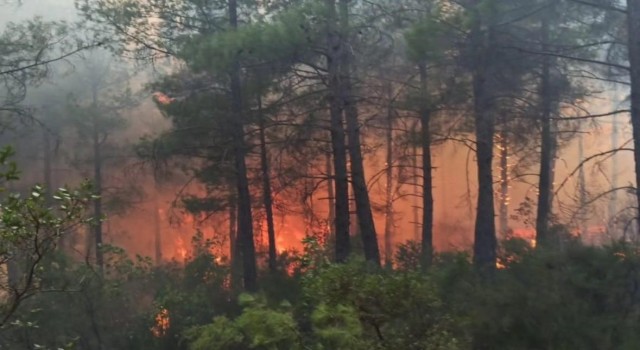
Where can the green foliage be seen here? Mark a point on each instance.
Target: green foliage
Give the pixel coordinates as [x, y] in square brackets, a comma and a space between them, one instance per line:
[258, 327]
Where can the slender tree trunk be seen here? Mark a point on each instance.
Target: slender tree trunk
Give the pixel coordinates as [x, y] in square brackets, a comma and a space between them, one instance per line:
[331, 217]
[582, 188]
[389, 220]
[233, 221]
[97, 182]
[544, 186]
[504, 184]
[485, 243]
[234, 252]
[416, 189]
[358, 178]
[245, 224]
[48, 183]
[427, 178]
[633, 22]
[266, 189]
[157, 225]
[338, 145]
[613, 210]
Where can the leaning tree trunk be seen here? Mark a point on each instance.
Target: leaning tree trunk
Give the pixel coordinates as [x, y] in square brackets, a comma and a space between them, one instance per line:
[427, 178]
[633, 23]
[245, 224]
[338, 143]
[358, 179]
[484, 247]
[266, 190]
[544, 186]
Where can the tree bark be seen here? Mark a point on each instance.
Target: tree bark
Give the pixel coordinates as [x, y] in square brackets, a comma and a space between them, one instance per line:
[338, 145]
[358, 178]
[266, 190]
[485, 243]
[544, 186]
[427, 179]
[245, 224]
[633, 23]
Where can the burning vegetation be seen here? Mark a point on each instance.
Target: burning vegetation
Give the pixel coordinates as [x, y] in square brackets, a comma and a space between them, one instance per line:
[335, 174]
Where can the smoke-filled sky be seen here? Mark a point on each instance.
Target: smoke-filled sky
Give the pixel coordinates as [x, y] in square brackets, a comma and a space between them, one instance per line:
[454, 177]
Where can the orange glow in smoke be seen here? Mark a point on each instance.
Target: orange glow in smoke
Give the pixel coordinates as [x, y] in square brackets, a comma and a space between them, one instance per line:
[181, 250]
[163, 322]
[162, 99]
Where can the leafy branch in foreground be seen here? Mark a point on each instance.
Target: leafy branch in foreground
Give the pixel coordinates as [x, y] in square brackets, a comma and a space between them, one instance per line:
[30, 228]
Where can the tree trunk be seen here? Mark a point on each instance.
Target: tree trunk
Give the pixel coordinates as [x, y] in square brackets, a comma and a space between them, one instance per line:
[97, 182]
[544, 186]
[358, 178]
[234, 252]
[416, 206]
[633, 23]
[485, 244]
[582, 189]
[503, 217]
[331, 217]
[46, 150]
[266, 190]
[389, 222]
[245, 224]
[157, 225]
[338, 145]
[427, 179]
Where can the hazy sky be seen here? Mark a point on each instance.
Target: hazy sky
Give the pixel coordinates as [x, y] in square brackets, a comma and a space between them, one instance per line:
[49, 9]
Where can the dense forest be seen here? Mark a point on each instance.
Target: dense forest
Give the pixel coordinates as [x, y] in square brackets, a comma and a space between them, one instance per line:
[319, 174]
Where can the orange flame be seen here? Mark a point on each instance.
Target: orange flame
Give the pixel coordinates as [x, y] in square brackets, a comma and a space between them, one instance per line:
[181, 250]
[163, 322]
[162, 98]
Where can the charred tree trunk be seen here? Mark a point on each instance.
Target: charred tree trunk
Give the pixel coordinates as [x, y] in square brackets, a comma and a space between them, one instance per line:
[389, 220]
[266, 190]
[97, 182]
[358, 179]
[485, 243]
[427, 179]
[633, 23]
[338, 144]
[544, 186]
[245, 224]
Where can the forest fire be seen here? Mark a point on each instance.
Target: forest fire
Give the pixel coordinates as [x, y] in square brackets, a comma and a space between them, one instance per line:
[162, 323]
[181, 251]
